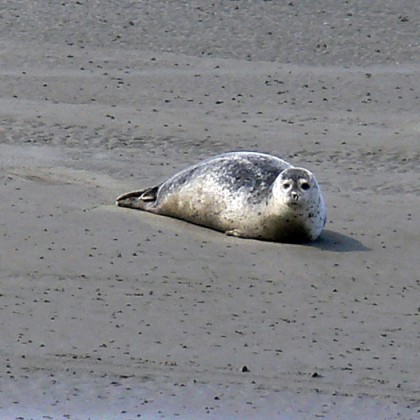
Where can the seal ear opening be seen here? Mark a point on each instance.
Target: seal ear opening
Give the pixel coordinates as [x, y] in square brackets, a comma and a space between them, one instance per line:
[137, 199]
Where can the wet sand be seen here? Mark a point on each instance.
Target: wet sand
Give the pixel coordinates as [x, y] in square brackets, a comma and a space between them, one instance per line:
[112, 312]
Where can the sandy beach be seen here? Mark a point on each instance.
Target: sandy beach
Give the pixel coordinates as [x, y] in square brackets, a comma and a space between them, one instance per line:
[113, 313]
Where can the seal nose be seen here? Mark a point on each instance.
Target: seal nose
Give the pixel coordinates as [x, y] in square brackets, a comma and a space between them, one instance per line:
[294, 196]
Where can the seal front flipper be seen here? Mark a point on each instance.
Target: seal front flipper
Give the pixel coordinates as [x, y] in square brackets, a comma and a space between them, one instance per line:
[138, 199]
[238, 233]
[243, 233]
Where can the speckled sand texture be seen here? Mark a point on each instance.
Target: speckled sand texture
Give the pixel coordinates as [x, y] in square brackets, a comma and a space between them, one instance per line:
[112, 313]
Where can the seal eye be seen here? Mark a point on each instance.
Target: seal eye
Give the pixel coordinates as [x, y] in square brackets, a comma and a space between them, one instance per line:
[305, 186]
[286, 185]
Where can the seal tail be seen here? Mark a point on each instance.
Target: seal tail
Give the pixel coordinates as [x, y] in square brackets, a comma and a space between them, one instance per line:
[138, 199]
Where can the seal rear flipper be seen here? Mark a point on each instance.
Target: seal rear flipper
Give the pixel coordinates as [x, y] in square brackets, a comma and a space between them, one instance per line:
[138, 199]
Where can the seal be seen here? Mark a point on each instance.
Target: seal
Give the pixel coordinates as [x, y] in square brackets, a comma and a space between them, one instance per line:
[243, 194]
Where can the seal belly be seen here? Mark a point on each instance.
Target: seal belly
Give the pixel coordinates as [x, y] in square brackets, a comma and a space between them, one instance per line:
[196, 204]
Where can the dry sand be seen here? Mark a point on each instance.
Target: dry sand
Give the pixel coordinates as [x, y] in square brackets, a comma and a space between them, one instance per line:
[107, 312]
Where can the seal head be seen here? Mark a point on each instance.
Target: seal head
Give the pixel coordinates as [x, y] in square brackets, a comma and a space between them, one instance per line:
[297, 197]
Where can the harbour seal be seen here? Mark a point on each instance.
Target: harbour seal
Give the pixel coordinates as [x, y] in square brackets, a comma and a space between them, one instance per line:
[243, 194]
